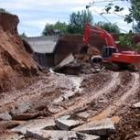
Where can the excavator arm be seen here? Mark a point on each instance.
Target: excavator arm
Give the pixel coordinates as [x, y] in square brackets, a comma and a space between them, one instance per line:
[89, 30]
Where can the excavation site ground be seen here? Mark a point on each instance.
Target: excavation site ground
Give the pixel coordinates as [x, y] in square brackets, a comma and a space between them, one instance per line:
[71, 101]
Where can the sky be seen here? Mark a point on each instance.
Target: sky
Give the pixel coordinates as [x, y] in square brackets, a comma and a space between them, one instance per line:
[34, 15]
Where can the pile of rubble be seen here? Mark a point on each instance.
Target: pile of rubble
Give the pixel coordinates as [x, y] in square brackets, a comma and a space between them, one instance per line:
[64, 128]
[80, 63]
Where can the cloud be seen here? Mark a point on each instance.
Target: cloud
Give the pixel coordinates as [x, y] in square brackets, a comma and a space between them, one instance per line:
[35, 14]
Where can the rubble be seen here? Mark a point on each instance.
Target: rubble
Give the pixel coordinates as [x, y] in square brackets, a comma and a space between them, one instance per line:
[84, 115]
[137, 105]
[101, 127]
[34, 125]
[5, 116]
[83, 136]
[65, 123]
[9, 124]
[8, 135]
[52, 135]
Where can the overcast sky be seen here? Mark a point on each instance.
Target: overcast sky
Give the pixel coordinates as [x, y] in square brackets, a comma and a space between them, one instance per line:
[34, 15]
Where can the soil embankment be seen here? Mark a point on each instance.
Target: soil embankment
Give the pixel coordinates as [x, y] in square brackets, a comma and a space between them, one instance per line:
[16, 65]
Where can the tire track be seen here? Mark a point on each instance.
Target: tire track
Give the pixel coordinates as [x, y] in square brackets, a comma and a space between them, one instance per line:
[111, 109]
[115, 80]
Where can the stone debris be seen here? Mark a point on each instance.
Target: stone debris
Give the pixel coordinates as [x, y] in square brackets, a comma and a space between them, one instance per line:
[101, 127]
[64, 123]
[19, 112]
[83, 136]
[9, 124]
[26, 116]
[5, 116]
[137, 105]
[7, 135]
[67, 60]
[52, 135]
[55, 109]
[34, 125]
[83, 115]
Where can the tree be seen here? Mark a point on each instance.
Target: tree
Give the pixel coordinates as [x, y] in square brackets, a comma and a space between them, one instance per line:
[133, 15]
[23, 35]
[2, 10]
[111, 28]
[78, 20]
[58, 27]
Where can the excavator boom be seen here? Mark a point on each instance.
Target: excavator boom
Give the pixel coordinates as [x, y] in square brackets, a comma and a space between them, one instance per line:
[111, 53]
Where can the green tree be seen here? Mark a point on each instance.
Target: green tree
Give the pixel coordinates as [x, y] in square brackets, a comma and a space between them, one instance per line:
[111, 28]
[134, 12]
[23, 35]
[2, 10]
[78, 20]
[51, 29]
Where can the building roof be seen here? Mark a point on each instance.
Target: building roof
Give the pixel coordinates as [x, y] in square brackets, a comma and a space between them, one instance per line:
[42, 44]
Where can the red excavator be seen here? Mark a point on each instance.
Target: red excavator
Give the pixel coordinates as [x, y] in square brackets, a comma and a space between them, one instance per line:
[111, 55]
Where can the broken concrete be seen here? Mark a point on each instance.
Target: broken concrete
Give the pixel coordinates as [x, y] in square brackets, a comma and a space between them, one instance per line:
[101, 128]
[83, 115]
[5, 116]
[9, 124]
[65, 123]
[20, 112]
[67, 60]
[20, 108]
[82, 136]
[137, 105]
[55, 109]
[7, 135]
[52, 135]
[34, 125]
[25, 116]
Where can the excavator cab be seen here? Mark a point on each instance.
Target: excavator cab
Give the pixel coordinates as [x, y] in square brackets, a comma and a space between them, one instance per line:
[108, 51]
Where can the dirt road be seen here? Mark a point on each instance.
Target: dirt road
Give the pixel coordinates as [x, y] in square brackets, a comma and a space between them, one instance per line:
[105, 94]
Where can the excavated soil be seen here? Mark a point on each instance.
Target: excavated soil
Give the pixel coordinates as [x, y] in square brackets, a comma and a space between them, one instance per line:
[104, 94]
[17, 67]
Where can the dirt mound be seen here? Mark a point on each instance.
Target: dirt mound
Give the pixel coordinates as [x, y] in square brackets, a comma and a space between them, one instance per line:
[16, 65]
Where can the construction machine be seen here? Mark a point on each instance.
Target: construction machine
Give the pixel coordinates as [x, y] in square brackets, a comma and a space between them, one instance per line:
[111, 56]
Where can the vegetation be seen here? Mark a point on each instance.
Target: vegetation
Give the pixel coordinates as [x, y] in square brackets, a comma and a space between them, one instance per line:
[2, 10]
[75, 26]
[133, 15]
[23, 35]
[50, 29]
[127, 40]
[78, 20]
[111, 28]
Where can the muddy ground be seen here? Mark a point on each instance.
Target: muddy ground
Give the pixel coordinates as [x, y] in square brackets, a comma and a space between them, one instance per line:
[102, 95]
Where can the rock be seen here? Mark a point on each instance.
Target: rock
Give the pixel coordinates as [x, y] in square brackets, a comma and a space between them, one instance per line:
[55, 109]
[52, 135]
[101, 128]
[9, 124]
[5, 116]
[65, 61]
[19, 110]
[7, 135]
[64, 123]
[137, 105]
[58, 100]
[83, 115]
[34, 125]
[82, 136]
[136, 138]
[25, 116]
